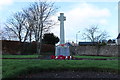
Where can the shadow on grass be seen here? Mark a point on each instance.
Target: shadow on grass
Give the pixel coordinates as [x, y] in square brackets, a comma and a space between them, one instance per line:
[34, 70]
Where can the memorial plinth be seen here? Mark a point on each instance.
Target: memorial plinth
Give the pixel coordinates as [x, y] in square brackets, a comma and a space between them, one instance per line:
[62, 50]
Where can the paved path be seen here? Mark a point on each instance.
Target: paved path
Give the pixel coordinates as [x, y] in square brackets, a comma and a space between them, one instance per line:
[72, 74]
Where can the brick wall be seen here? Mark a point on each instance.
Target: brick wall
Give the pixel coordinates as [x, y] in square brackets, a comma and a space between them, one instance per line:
[108, 50]
[15, 47]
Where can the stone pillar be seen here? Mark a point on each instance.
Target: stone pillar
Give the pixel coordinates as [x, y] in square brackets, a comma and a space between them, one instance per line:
[61, 18]
[62, 49]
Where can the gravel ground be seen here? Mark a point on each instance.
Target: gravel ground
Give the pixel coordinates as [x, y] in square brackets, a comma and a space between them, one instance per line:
[72, 74]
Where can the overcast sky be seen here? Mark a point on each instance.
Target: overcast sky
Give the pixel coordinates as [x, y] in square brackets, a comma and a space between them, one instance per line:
[79, 15]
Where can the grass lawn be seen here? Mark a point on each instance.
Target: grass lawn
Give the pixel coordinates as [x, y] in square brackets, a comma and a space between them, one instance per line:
[12, 68]
[19, 56]
[95, 57]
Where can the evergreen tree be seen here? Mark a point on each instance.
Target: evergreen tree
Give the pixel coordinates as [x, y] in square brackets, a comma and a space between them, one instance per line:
[50, 38]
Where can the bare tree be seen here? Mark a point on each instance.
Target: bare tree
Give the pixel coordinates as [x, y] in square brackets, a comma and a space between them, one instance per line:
[9, 35]
[94, 34]
[39, 19]
[16, 25]
[33, 22]
[5, 34]
[2, 37]
[2, 32]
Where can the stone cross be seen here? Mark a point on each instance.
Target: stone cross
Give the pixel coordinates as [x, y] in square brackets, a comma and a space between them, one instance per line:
[61, 18]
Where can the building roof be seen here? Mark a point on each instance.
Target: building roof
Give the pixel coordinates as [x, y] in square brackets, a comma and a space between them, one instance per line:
[87, 43]
[118, 36]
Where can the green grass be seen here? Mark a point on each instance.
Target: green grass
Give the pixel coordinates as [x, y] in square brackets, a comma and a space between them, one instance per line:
[19, 56]
[15, 67]
[95, 57]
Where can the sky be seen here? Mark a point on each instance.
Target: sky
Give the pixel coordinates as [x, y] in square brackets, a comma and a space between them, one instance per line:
[79, 15]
